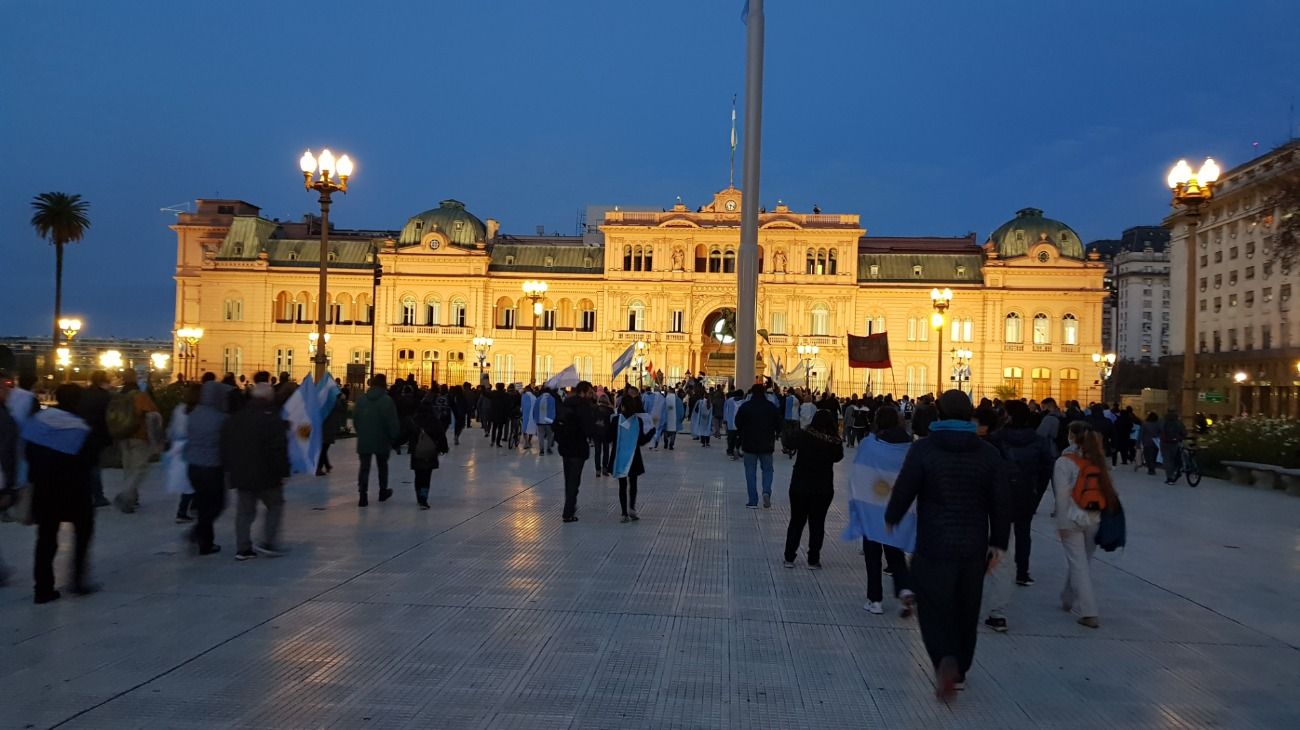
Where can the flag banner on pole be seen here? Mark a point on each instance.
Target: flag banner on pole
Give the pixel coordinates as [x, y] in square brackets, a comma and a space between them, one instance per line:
[623, 360]
[303, 414]
[830, 380]
[871, 483]
[566, 378]
[871, 351]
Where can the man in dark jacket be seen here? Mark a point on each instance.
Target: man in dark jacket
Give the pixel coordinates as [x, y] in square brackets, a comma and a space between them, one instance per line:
[94, 411]
[924, 415]
[1030, 458]
[500, 410]
[376, 422]
[575, 426]
[203, 457]
[255, 455]
[758, 423]
[963, 525]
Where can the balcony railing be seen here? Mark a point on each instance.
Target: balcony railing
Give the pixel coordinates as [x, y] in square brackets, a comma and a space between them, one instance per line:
[1042, 348]
[1013, 347]
[445, 330]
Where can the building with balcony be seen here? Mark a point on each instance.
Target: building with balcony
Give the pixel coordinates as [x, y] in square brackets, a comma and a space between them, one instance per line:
[1027, 302]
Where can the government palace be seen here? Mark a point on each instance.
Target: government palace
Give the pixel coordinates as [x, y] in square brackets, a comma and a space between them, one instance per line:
[1025, 313]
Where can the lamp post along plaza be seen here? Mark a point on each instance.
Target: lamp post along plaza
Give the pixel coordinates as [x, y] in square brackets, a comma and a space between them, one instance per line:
[1105, 366]
[806, 355]
[1190, 191]
[190, 336]
[70, 328]
[535, 290]
[482, 346]
[941, 301]
[961, 368]
[318, 174]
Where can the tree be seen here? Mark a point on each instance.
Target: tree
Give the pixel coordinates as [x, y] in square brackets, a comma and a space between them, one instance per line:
[60, 218]
[1281, 209]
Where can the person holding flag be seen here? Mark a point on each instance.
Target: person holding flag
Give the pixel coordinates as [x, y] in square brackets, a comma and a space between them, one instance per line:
[875, 468]
[527, 402]
[634, 429]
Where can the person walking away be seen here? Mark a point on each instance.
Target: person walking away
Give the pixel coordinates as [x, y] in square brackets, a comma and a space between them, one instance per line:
[633, 430]
[1083, 490]
[1172, 435]
[758, 423]
[875, 469]
[1103, 427]
[963, 525]
[1124, 423]
[812, 487]
[702, 420]
[334, 422]
[729, 409]
[1150, 439]
[59, 460]
[1029, 462]
[671, 423]
[459, 412]
[528, 406]
[807, 409]
[1049, 421]
[500, 414]
[176, 478]
[790, 426]
[255, 456]
[431, 417]
[128, 417]
[546, 422]
[94, 411]
[375, 420]
[606, 434]
[202, 454]
[575, 426]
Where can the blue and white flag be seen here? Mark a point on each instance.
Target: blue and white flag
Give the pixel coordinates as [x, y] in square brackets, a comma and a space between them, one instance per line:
[875, 469]
[623, 361]
[303, 413]
[566, 378]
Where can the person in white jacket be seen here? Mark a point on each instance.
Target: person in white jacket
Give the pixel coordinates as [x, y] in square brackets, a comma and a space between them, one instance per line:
[1077, 525]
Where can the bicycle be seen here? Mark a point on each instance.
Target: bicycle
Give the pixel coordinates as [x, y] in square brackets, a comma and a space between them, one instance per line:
[516, 428]
[1187, 465]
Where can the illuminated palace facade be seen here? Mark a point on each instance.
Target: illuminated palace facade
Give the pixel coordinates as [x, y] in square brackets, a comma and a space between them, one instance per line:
[1027, 303]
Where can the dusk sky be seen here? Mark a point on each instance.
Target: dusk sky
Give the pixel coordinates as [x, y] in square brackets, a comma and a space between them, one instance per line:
[927, 118]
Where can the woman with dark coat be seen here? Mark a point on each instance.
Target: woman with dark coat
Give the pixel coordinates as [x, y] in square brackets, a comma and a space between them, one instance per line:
[60, 458]
[429, 442]
[632, 432]
[338, 416]
[812, 486]
[606, 432]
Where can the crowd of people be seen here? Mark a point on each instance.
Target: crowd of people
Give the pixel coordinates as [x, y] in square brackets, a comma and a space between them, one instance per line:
[945, 509]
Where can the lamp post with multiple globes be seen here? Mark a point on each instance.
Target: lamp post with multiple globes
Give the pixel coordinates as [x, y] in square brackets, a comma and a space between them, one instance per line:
[63, 355]
[1240, 378]
[535, 290]
[941, 299]
[191, 337]
[961, 367]
[1191, 190]
[482, 346]
[1105, 366]
[318, 173]
[806, 355]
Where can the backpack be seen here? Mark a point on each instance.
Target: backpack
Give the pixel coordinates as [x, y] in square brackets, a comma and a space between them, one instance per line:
[426, 447]
[121, 417]
[1087, 492]
[1112, 532]
[442, 409]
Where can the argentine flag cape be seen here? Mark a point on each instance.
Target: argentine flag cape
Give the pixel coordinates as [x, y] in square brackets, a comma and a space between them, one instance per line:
[305, 412]
[875, 468]
[526, 404]
[652, 402]
[702, 421]
[629, 433]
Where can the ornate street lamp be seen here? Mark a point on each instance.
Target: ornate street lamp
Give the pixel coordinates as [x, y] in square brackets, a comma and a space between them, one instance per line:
[961, 367]
[70, 328]
[111, 360]
[313, 339]
[482, 345]
[1105, 366]
[325, 184]
[191, 337]
[640, 362]
[535, 290]
[941, 299]
[1191, 190]
[806, 355]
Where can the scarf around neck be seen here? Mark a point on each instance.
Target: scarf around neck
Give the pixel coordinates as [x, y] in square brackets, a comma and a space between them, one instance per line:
[954, 425]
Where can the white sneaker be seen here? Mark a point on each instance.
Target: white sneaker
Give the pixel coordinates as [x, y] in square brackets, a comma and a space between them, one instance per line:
[874, 607]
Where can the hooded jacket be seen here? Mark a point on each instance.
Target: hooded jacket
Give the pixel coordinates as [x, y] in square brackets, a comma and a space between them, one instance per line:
[255, 446]
[203, 429]
[1033, 456]
[375, 418]
[963, 503]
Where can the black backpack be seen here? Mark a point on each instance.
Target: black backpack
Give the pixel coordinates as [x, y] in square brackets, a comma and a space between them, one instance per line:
[442, 409]
[1112, 533]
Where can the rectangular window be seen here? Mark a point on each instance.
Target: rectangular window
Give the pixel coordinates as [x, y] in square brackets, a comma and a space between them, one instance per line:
[820, 322]
[232, 360]
[233, 312]
[588, 320]
[1265, 336]
[1250, 273]
[284, 360]
[1232, 253]
[1232, 277]
[458, 314]
[778, 323]
[679, 319]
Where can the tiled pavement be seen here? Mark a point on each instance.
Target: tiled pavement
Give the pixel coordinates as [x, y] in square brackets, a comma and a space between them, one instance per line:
[488, 612]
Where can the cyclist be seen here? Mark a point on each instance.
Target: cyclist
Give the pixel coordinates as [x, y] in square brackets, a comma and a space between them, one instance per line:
[1172, 435]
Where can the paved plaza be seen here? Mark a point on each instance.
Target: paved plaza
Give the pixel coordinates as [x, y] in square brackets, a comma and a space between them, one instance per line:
[488, 612]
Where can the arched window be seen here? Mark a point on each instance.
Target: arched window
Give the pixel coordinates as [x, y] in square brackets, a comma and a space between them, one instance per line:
[1069, 330]
[701, 259]
[547, 320]
[821, 261]
[1014, 333]
[1042, 383]
[232, 310]
[831, 266]
[283, 307]
[715, 260]
[875, 324]
[819, 320]
[1069, 385]
[638, 257]
[564, 315]
[918, 329]
[406, 313]
[760, 259]
[458, 312]
[729, 261]
[636, 316]
[343, 306]
[810, 262]
[963, 330]
[302, 308]
[432, 310]
[1042, 329]
[627, 258]
[1014, 378]
[587, 312]
[505, 318]
[649, 264]
[365, 310]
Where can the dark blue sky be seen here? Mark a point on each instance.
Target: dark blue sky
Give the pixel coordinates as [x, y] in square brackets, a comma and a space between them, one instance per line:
[936, 117]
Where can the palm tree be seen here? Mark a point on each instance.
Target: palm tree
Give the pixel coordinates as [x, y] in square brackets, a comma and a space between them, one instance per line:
[59, 218]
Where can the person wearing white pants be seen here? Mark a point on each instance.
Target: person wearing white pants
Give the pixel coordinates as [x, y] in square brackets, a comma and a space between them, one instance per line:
[1076, 525]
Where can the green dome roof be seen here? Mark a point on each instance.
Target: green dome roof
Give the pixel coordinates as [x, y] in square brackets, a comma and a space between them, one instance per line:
[450, 219]
[1016, 236]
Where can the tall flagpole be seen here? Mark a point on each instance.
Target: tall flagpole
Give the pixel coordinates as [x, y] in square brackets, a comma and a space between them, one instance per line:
[747, 264]
[731, 181]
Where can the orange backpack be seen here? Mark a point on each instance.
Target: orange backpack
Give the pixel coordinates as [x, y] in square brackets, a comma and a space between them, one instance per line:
[1087, 492]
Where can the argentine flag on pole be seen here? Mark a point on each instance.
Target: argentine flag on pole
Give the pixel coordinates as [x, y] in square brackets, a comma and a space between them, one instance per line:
[566, 378]
[623, 360]
[875, 468]
[305, 415]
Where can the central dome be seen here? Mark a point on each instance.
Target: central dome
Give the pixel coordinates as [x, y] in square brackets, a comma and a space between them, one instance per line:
[1029, 227]
[461, 227]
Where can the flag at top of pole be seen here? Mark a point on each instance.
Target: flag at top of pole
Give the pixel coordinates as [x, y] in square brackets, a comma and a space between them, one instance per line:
[623, 361]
